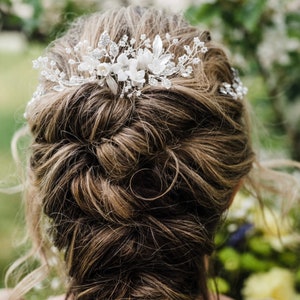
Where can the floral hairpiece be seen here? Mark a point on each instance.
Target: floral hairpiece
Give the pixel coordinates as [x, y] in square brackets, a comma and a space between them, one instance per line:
[236, 90]
[128, 65]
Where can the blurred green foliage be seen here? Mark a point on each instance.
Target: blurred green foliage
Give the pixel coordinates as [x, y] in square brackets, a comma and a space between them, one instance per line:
[17, 82]
[43, 22]
[266, 35]
[250, 254]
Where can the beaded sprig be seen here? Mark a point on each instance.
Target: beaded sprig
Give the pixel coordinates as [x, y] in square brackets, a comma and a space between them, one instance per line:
[236, 90]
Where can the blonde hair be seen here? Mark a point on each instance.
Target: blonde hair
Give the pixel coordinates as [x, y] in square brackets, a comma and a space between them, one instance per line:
[133, 190]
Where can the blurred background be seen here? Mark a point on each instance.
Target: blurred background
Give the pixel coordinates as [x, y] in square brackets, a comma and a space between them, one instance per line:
[263, 37]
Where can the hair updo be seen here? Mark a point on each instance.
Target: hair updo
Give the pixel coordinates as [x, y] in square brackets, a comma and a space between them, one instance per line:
[135, 188]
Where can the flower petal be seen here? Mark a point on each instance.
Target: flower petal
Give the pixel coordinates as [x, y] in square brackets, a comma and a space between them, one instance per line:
[157, 46]
[123, 59]
[122, 76]
[103, 69]
[164, 59]
[144, 58]
[156, 67]
[112, 85]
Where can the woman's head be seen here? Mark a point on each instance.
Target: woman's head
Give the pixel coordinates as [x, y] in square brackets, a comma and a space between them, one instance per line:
[134, 186]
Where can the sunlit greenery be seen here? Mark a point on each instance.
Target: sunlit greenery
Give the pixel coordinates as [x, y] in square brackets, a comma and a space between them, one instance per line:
[17, 81]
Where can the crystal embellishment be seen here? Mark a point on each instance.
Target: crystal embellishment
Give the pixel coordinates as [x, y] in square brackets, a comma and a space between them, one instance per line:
[236, 90]
[125, 66]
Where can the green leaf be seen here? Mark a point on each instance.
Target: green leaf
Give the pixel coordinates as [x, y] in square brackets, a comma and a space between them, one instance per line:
[293, 24]
[230, 258]
[297, 277]
[202, 14]
[218, 285]
[289, 259]
[250, 14]
[259, 246]
[251, 263]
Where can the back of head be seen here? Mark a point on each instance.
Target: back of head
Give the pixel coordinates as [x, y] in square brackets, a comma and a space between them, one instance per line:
[135, 186]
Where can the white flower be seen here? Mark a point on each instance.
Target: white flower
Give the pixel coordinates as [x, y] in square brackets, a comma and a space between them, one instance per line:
[175, 41]
[137, 77]
[121, 67]
[182, 59]
[242, 208]
[171, 69]
[277, 284]
[103, 69]
[278, 231]
[144, 58]
[156, 66]
[155, 62]
[198, 43]
[55, 283]
[203, 49]
[196, 60]
[160, 60]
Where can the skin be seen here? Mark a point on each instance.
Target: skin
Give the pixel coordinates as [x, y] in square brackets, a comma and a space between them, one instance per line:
[5, 293]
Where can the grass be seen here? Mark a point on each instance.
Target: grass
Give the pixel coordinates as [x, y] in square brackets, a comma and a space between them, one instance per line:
[17, 82]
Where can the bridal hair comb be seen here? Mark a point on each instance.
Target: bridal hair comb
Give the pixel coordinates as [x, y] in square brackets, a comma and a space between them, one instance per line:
[128, 65]
[236, 90]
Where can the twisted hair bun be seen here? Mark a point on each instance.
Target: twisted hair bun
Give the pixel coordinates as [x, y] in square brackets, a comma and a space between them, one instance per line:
[135, 187]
